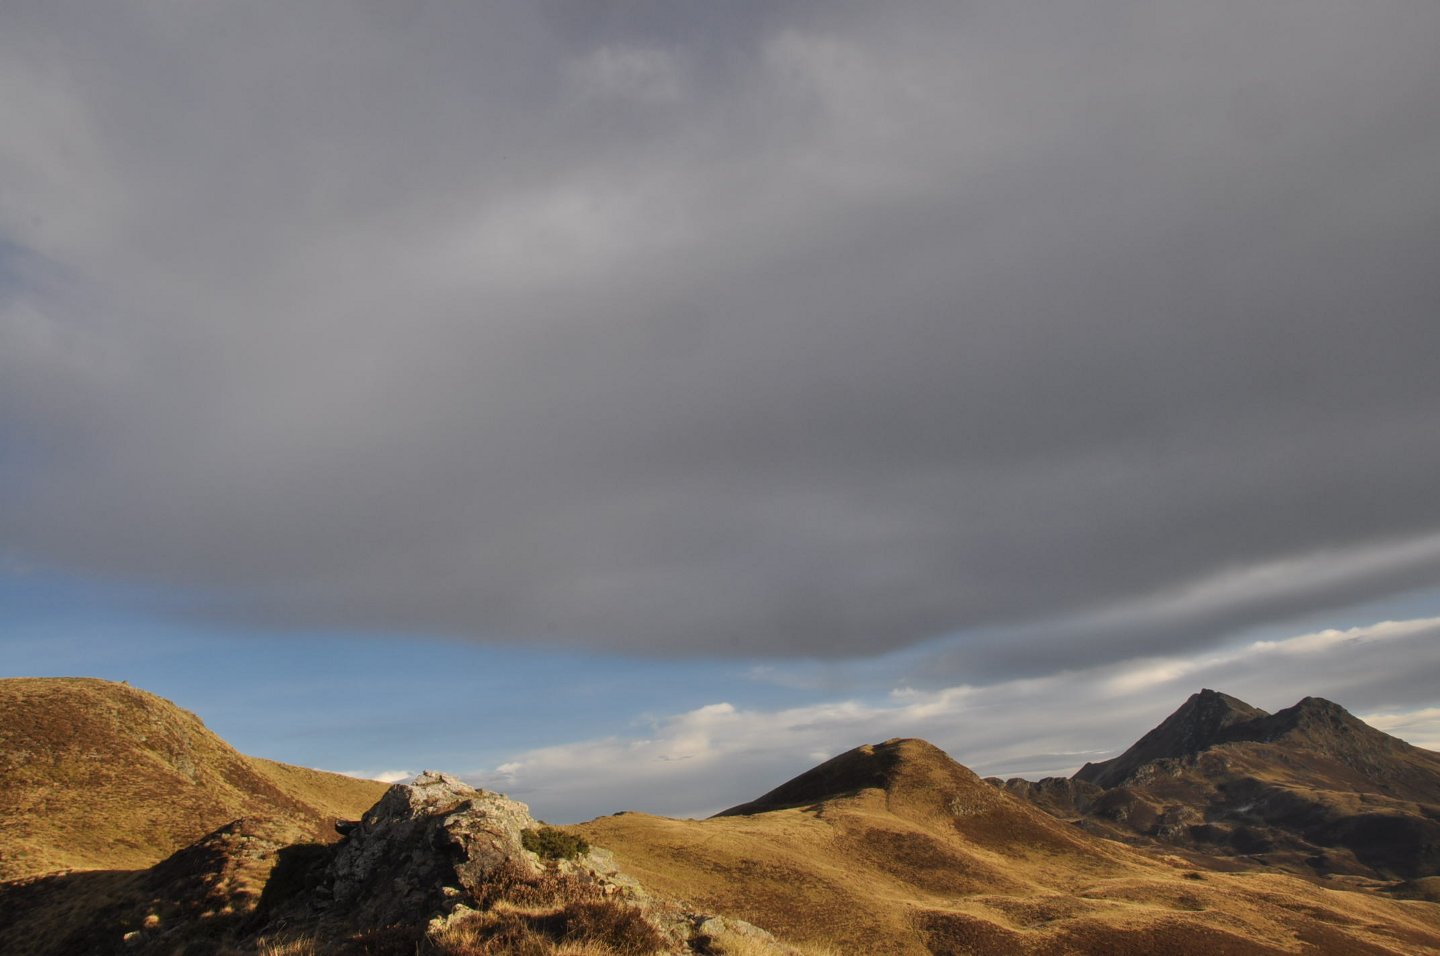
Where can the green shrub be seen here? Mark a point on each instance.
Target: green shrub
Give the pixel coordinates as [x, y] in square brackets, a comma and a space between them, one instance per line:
[552, 844]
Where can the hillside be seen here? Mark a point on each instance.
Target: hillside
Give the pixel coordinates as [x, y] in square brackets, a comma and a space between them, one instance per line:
[435, 867]
[1310, 788]
[102, 775]
[895, 848]
[891, 848]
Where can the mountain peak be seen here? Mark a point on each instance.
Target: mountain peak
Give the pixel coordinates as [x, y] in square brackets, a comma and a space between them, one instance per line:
[1319, 705]
[885, 766]
[1202, 721]
[1315, 720]
[1208, 718]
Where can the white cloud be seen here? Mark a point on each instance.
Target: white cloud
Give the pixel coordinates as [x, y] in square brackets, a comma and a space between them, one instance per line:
[702, 760]
[384, 776]
[1420, 727]
[1328, 639]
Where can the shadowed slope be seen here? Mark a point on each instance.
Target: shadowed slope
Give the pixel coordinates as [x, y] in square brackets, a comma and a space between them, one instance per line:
[1345, 749]
[1202, 721]
[101, 775]
[197, 894]
[870, 766]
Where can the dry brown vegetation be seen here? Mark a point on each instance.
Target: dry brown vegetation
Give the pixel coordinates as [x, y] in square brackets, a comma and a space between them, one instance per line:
[892, 848]
[102, 775]
[935, 861]
[519, 913]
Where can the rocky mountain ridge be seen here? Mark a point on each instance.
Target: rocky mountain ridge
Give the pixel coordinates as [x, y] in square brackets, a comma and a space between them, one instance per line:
[1310, 788]
[1206, 719]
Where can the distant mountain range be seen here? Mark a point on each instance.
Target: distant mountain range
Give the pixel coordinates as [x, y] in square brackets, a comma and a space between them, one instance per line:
[888, 848]
[1307, 789]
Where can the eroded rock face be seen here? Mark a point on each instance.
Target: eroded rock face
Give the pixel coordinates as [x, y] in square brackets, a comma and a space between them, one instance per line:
[423, 842]
[434, 853]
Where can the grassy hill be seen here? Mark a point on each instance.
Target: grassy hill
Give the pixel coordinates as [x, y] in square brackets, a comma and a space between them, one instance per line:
[99, 775]
[890, 848]
[895, 848]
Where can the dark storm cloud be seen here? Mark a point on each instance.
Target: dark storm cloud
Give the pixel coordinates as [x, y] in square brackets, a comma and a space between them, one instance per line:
[794, 329]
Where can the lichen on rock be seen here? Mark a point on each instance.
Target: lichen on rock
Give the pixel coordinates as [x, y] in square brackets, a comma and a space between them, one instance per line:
[422, 838]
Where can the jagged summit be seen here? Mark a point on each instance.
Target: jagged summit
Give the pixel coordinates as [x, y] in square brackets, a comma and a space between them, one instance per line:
[1320, 705]
[1205, 719]
[1310, 787]
[1210, 718]
[1312, 716]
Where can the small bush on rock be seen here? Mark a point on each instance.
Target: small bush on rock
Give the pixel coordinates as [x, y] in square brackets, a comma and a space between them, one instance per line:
[552, 844]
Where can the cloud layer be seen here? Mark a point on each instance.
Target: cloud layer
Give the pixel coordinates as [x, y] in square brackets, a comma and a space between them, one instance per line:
[793, 329]
[717, 755]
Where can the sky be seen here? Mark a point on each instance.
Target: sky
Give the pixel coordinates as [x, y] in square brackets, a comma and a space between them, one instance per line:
[629, 404]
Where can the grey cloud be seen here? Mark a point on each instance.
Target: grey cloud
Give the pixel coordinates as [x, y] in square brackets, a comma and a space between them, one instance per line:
[869, 329]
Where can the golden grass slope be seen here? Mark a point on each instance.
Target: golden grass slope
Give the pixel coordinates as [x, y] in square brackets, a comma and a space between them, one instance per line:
[101, 775]
[895, 848]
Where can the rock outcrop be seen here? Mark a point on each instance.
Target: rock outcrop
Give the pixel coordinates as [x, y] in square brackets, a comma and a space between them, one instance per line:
[1062, 797]
[438, 858]
[435, 866]
[423, 846]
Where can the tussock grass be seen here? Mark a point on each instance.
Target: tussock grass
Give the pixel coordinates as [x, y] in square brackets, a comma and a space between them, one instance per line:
[553, 913]
[276, 946]
[595, 926]
[734, 944]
